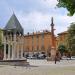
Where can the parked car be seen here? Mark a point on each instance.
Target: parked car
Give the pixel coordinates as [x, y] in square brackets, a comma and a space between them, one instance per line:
[72, 57]
[64, 57]
[32, 57]
[41, 56]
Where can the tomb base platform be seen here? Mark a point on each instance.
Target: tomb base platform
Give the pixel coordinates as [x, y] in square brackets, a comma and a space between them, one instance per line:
[20, 62]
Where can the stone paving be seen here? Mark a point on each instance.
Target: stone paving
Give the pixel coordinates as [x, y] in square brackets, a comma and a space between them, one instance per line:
[41, 67]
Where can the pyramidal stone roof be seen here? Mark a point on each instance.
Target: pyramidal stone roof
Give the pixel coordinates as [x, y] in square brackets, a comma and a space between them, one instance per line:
[13, 24]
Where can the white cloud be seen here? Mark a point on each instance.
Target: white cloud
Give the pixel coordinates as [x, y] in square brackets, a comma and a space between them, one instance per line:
[63, 22]
[49, 3]
[36, 21]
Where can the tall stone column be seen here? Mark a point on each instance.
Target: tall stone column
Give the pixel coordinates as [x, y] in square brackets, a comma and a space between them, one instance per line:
[53, 50]
[4, 48]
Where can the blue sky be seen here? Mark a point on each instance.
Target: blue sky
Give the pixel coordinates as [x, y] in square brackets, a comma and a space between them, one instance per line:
[35, 15]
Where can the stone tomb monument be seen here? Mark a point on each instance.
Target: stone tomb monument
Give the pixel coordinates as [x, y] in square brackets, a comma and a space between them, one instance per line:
[13, 43]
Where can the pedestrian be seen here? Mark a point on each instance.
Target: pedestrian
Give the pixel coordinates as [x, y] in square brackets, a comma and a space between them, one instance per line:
[69, 55]
[55, 59]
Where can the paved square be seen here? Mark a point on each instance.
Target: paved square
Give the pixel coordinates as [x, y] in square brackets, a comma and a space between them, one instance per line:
[41, 67]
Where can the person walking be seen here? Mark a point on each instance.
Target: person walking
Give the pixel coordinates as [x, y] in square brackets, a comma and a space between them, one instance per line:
[55, 59]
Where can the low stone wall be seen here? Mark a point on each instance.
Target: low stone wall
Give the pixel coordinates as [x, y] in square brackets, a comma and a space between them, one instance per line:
[14, 62]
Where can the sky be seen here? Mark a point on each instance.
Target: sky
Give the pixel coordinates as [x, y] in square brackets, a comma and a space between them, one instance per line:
[35, 15]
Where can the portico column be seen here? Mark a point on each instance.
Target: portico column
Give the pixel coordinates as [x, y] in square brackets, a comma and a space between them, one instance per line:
[22, 48]
[4, 48]
[9, 51]
[12, 51]
[22, 51]
[14, 47]
[14, 44]
[4, 51]
[17, 51]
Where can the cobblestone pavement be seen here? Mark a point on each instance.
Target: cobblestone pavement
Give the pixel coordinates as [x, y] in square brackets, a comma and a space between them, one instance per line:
[41, 67]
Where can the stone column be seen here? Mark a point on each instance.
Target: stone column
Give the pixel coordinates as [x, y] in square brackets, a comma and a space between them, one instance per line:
[4, 48]
[17, 51]
[22, 47]
[22, 51]
[53, 53]
[9, 51]
[9, 44]
[12, 51]
[18, 43]
[14, 47]
[4, 51]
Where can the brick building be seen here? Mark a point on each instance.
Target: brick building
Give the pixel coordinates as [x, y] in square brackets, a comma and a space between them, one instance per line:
[38, 42]
[62, 38]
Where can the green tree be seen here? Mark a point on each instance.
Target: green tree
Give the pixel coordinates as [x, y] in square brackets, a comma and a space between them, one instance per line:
[68, 4]
[71, 37]
[1, 39]
[62, 49]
